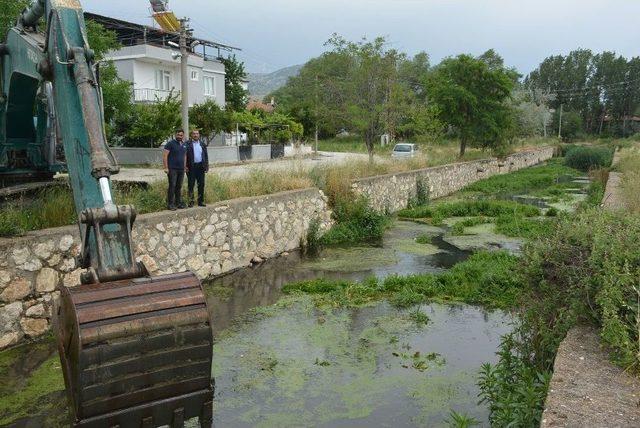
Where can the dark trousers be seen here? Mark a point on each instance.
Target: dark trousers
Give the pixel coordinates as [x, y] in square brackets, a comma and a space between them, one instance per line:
[174, 195]
[196, 174]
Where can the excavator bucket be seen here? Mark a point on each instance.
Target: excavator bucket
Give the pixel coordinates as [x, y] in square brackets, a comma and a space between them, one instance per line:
[137, 353]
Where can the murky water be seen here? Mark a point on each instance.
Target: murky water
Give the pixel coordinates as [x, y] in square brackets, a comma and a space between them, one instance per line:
[375, 366]
[357, 379]
[234, 294]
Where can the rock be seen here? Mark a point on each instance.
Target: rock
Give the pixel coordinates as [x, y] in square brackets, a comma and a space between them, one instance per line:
[177, 242]
[213, 219]
[43, 250]
[160, 227]
[21, 256]
[65, 243]
[285, 254]
[32, 266]
[17, 290]
[36, 311]
[9, 339]
[72, 279]
[235, 225]
[34, 327]
[54, 260]
[195, 263]
[208, 231]
[68, 265]
[162, 252]
[9, 317]
[5, 278]
[257, 260]
[46, 281]
[149, 263]
[152, 243]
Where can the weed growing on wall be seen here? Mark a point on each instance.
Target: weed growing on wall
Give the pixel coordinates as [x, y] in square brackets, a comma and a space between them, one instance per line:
[356, 222]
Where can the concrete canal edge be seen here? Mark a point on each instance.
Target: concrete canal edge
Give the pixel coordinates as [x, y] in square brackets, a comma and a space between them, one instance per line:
[587, 389]
[210, 241]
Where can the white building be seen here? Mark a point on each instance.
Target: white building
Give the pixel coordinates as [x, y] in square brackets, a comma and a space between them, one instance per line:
[150, 60]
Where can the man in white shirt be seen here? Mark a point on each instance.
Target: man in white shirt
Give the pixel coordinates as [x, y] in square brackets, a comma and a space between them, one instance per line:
[197, 167]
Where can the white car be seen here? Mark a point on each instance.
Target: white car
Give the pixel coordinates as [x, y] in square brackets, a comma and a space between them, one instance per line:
[404, 150]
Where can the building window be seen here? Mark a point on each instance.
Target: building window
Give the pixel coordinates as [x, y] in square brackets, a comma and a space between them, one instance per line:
[209, 86]
[163, 80]
[194, 75]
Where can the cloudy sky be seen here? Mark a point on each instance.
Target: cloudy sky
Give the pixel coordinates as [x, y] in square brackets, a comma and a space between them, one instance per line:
[279, 33]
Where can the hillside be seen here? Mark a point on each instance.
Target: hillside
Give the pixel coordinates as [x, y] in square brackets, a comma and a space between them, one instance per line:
[262, 84]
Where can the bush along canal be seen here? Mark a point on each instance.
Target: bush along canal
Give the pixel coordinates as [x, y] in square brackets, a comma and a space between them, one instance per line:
[384, 322]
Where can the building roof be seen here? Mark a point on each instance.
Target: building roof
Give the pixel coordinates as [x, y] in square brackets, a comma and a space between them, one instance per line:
[131, 34]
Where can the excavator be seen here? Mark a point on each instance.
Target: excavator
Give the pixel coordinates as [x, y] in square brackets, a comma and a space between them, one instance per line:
[135, 350]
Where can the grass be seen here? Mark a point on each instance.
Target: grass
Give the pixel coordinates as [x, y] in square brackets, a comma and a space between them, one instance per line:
[54, 207]
[469, 208]
[543, 177]
[586, 158]
[629, 165]
[486, 278]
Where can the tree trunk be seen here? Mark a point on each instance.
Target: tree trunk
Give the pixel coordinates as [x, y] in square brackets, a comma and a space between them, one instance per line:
[463, 146]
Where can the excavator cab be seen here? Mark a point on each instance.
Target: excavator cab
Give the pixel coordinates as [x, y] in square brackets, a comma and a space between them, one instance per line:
[136, 351]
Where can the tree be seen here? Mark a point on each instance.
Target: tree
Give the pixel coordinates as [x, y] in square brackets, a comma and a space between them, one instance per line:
[9, 12]
[151, 123]
[210, 119]
[116, 93]
[237, 96]
[472, 98]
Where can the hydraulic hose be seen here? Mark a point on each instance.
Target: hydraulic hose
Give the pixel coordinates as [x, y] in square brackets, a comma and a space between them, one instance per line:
[31, 16]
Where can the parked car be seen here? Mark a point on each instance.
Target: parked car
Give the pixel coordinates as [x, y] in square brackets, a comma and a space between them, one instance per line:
[404, 150]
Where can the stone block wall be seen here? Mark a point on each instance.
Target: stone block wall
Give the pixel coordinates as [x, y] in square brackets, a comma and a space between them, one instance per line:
[209, 241]
[392, 192]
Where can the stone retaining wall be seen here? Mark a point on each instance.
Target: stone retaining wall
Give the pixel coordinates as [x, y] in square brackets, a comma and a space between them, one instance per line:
[209, 241]
[392, 192]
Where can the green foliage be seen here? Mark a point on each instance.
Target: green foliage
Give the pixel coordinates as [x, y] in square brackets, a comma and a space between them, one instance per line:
[457, 420]
[235, 75]
[525, 180]
[572, 76]
[459, 227]
[49, 208]
[471, 97]
[209, 118]
[422, 194]
[424, 239]
[312, 243]
[586, 270]
[486, 278]
[152, 123]
[469, 208]
[572, 126]
[9, 12]
[586, 158]
[267, 127]
[522, 227]
[356, 222]
[100, 39]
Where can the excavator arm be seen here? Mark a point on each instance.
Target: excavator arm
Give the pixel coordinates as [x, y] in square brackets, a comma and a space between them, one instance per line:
[135, 350]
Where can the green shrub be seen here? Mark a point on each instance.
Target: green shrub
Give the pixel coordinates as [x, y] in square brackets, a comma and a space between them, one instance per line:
[586, 158]
[356, 222]
[470, 208]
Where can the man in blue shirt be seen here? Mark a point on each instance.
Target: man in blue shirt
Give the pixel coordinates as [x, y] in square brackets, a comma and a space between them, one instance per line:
[175, 162]
[197, 167]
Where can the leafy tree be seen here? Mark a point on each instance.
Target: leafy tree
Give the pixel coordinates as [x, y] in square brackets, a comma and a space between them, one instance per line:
[152, 123]
[472, 98]
[116, 93]
[9, 12]
[209, 118]
[236, 95]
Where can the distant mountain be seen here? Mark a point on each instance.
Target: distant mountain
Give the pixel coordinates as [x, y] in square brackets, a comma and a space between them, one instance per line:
[262, 84]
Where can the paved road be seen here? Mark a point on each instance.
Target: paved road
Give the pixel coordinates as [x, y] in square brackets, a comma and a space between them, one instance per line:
[149, 175]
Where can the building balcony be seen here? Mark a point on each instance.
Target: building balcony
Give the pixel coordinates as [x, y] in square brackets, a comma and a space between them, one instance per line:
[150, 95]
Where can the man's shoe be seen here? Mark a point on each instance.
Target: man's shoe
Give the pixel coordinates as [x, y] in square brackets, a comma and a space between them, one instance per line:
[202, 204]
[190, 204]
[182, 206]
[172, 208]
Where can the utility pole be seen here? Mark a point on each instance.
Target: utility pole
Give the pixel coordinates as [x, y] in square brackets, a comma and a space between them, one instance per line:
[560, 123]
[317, 114]
[184, 73]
